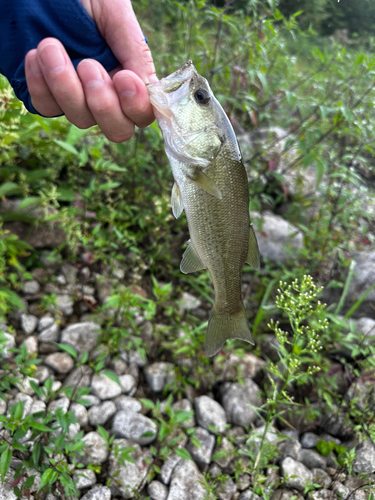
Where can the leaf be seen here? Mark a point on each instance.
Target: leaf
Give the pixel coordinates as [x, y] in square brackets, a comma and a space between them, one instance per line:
[5, 459]
[324, 111]
[69, 349]
[147, 403]
[31, 200]
[109, 185]
[68, 147]
[75, 134]
[40, 427]
[9, 187]
[308, 159]
[46, 478]
[103, 432]
[183, 453]
[36, 453]
[319, 170]
[112, 375]
[12, 298]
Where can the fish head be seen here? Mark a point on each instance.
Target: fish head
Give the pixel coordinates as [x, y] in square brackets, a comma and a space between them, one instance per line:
[193, 123]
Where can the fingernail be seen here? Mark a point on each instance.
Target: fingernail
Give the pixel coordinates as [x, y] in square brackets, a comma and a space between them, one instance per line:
[52, 58]
[126, 86]
[90, 74]
[34, 66]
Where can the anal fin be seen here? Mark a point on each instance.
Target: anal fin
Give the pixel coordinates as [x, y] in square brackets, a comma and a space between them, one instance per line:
[207, 184]
[253, 258]
[191, 261]
[176, 201]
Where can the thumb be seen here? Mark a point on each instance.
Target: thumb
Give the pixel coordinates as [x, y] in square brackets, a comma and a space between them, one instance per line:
[117, 23]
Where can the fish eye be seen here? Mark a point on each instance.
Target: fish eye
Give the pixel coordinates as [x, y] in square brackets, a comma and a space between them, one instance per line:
[202, 96]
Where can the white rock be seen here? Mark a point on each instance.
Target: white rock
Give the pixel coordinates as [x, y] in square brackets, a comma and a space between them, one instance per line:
[126, 403]
[131, 425]
[45, 322]
[81, 336]
[157, 490]
[188, 302]
[98, 493]
[61, 362]
[84, 478]
[80, 413]
[28, 323]
[237, 400]
[210, 414]
[50, 334]
[31, 287]
[32, 344]
[99, 415]
[104, 387]
[187, 482]
[95, 449]
[303, 475]
[128, 384]
[158, 375]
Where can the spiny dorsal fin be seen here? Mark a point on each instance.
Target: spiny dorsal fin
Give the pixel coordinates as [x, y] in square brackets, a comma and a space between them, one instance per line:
[176, 201]
[207, 184]
[253, 258]
[191, 261]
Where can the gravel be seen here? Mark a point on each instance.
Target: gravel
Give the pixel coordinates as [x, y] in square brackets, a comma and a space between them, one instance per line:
[210, 414]
[134, 426]
[237, 400]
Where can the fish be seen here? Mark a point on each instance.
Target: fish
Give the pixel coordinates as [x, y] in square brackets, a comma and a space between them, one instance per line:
[211, 186]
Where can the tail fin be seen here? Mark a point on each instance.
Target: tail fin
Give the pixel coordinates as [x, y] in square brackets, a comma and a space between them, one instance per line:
[224, 327]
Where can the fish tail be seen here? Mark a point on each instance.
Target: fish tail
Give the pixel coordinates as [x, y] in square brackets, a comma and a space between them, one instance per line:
[222, 327]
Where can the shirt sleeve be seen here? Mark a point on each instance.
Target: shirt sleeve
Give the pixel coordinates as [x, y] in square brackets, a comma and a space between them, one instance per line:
[24, 23]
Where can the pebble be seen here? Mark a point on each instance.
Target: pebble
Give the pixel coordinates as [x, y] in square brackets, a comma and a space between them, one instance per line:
[320, 495]
[99, 415]
[128, 384]
[95, 449]
[157, 490]
[50, 334]
[84, 478]
[10, 343]
[250, 495]
[81, 336]
[45, 322]
[62, 403]
[235, 366]
[104, 387]
[237, 400]
[79, 377]
[340, 490]
[64, 304]
[186, 482]
[98, 493]
[289, 468]
[290, 448]
[3, 407]
[168, 467]
[210, 414]
[37, 406]
[309, 440]
[31, 287]
[70, 273]
[128, 476]
[80, 413]
[27, 403]
[365, 457]
[158, 375]
[226, 450]
[312, 459]
[321, 477]
[31, 344]
[189, 302]
[203, 454]
[283, 494]
[132, 425]
[28, 323]
[125, 403]
[89, 400]
[42, 373]
[61, 362]
[226, 490]
[185, 405]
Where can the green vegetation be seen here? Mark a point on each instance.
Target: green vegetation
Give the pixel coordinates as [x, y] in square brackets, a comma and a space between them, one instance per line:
[112, 202]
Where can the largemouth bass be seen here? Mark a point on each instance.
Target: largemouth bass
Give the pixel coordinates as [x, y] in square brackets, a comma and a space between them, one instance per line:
[211, 186]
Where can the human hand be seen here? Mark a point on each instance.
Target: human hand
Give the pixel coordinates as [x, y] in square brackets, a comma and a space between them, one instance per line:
[116, 101]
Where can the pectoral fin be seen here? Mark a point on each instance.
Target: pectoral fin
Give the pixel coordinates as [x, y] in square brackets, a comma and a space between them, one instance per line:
[191, 261]
[176, 201]
[207, 184]
[253, 258]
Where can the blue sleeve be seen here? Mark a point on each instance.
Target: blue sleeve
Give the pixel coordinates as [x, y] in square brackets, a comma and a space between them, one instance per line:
[24, 23]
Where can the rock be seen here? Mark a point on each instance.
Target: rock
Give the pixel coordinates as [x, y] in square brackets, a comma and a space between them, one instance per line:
[235, 366]
[250, 495]
[27, 403]
[84, 478]
[81, 336]
[104, 387]
[363, 391]
[90, 400]
[226, 490]
[158, 375]
[128, 476]
[45, 322]
[283, 494]
[210, 414]
[185, 405]
[70, 273]
[168, 467]
[42, 373]
[365, 326]
[80, 413]
[290, 448]
[321, 477]
[189, 302]
[135, 357]
[290, 467]
[203, 454]
[37, 406]
[128, 384]
[62, 403]
[358, 488]
[363, 278]
[80, 377]
[10, 343]
[226, 450]
[312, 459]
[125, 403]
[31, 344]
[237, 434]
[95, 449]
[364, 457]
[320, 495]
[340, 490]
[157, 490]
[309, 440]
[31, 287]
[64, 304]
[187, 482]
[276, 235]
[28, 323]
[132, 425]
[237, 400]
[243, 482]
[61, 362]
[98, 493]
[3, 407]
[50, 334]
[6, 490]
[99, 415]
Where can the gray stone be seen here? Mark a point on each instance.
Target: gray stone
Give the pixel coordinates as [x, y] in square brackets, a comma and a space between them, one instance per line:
[340, 490]
[237, 434]
[128, 384]
[79, 377]
[188, 302]
[312, 459]
[3, 407]
[226, 450]
[283, 494]
[31, 287]
[132, 425]
[187, 482]
[290, 448]
[128, 476]
[62, 403]
[6, 490]
[99, 415]
[9, 343]
[363, 278]
[60, 279]
[214, 471]
[61, 362]
[185, 405]
[90, 400]
[168, 467]
[80, 413]
[226, 490]
[243, 482]
[104, 387]
[235, 366]
[27, 403]
[31, 344]
[70, 273]
[50, 334]
[277, 234]
[158, 375]
[42, 373]
[98, 493]
[84, 478]
[321, 477]
[289, 468]
[322, 494]
[157, 490]
[37, 406]
[210, 414]
[250, 495]
[81, 336]
[203, 454]
[363, 391]
[237, 400]
[364, 457]
[64, 303]
[125, 403]
[135, 357]
[309, 440]
[28, 323]
[365, 326]
[95, 449]
[45, 322]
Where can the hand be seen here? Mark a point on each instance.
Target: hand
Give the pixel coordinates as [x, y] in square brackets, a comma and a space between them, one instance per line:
[115, 101]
